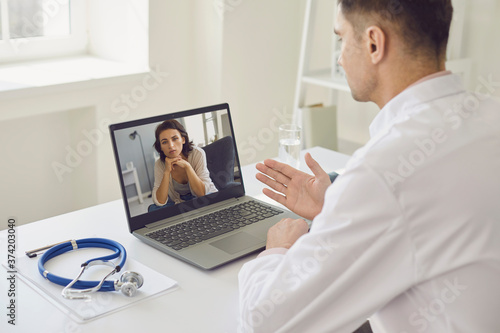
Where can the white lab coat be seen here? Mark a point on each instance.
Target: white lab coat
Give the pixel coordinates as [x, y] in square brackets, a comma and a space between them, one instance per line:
[409, 235]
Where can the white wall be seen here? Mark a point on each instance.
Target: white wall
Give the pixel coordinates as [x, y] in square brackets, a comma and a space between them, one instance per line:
[206, 55]
[481, 41]
[260, 61]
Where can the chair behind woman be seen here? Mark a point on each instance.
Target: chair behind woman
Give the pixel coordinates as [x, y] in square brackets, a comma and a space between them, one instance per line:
[220, 162]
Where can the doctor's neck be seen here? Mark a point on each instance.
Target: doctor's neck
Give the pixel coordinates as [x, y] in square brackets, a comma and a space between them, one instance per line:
[401, 72]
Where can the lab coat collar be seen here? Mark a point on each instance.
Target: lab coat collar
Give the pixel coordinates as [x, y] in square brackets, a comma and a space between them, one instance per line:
[403, 104]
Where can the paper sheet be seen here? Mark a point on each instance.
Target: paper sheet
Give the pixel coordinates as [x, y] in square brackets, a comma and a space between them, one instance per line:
[101, 303]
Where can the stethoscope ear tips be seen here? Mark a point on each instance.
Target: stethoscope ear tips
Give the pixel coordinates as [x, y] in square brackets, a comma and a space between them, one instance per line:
[130, 282]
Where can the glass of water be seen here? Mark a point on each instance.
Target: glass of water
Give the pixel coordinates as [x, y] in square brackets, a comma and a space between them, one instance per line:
[289, 145]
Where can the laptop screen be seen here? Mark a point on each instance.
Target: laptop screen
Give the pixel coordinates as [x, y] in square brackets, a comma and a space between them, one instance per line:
[175, 163]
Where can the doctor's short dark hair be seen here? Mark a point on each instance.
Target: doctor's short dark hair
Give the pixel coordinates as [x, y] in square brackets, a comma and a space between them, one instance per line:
[424, 25]
[172, 124]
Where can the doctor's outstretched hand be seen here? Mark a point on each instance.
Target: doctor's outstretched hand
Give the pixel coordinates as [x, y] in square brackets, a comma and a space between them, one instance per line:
[300, 192]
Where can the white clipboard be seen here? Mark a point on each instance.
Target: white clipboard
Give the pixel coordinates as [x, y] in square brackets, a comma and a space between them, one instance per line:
[101, 303]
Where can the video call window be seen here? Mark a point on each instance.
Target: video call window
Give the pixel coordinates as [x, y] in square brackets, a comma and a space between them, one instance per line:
[212, 156]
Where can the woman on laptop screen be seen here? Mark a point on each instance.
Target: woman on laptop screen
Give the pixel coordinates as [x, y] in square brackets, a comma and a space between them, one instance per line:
[181, 172]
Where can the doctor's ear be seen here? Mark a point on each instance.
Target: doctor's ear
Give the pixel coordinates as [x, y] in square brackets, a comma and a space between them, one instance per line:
[375, 43]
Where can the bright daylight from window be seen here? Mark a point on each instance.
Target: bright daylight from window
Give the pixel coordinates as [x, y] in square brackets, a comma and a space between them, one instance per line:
[47, 42]
[34, 18]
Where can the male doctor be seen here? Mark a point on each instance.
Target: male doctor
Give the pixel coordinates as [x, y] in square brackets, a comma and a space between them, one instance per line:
[409, 235]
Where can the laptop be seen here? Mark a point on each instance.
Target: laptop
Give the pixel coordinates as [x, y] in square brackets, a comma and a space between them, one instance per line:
[208, 230]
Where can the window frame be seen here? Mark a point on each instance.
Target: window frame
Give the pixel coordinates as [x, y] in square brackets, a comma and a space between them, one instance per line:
[34, 48]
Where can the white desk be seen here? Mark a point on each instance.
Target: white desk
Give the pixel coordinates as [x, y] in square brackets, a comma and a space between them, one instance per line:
[206, 301]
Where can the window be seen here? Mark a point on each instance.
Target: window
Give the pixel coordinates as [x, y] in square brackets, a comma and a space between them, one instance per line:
[34, 29]
[56, 42]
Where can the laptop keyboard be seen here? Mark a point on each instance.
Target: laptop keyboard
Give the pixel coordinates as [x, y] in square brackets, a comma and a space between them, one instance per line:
[202, 228]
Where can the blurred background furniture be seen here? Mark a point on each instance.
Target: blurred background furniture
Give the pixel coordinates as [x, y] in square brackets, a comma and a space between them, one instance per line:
[220, 162]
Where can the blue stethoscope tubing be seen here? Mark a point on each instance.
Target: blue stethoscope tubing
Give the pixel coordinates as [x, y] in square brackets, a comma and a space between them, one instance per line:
[119, 251]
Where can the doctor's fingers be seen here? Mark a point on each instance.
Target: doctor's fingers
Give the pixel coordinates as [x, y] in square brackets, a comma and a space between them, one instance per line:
[282, 168]
[315, 167]
[273, 173]
[275, 196]
[275, 185]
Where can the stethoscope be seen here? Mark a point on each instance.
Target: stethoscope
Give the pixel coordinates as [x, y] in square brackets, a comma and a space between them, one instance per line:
[128, 283]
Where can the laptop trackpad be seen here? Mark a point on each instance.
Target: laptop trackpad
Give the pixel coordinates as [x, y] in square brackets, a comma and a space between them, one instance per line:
[237, 242]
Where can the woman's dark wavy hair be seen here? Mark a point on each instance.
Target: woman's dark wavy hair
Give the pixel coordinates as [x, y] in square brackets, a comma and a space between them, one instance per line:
[172, 124]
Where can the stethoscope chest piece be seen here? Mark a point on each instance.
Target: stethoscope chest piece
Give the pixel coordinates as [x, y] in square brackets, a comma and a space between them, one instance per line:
[130, 282]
